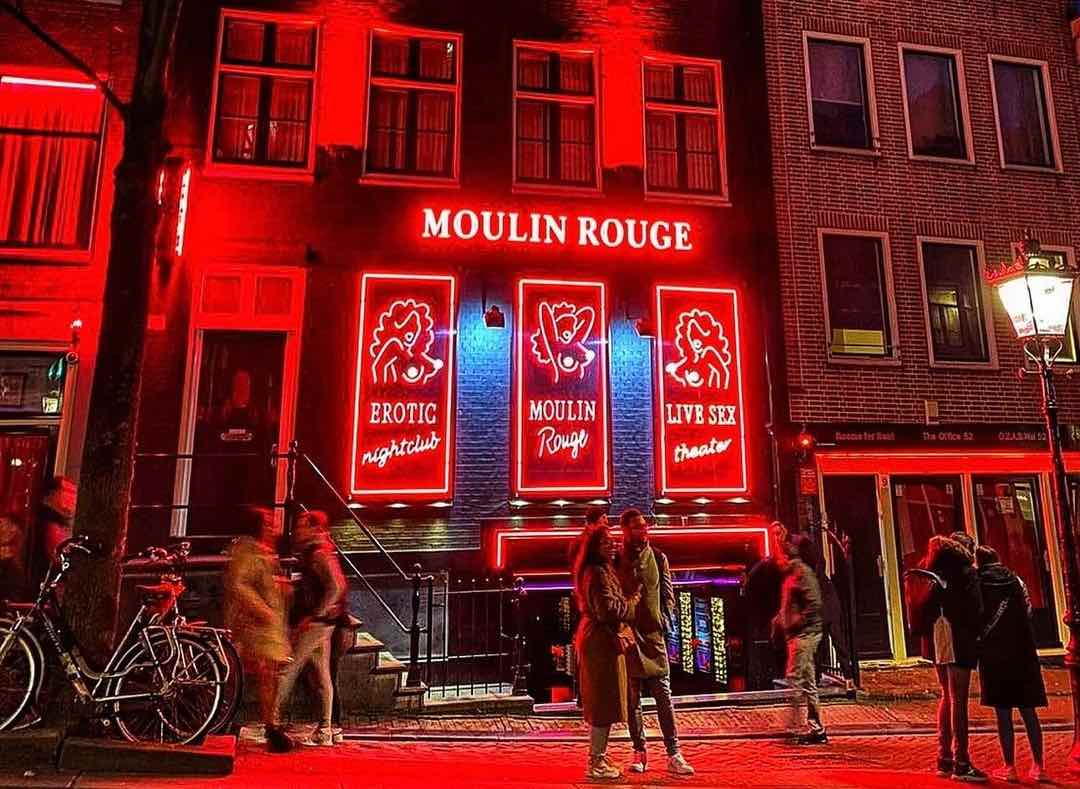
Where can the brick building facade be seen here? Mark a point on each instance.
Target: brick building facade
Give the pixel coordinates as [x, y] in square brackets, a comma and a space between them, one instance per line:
[913, 145]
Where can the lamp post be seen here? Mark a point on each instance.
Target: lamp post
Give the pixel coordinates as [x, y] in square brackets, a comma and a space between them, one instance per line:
[1036, 290]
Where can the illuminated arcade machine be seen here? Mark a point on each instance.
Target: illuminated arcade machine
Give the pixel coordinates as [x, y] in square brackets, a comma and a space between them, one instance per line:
[561, 448]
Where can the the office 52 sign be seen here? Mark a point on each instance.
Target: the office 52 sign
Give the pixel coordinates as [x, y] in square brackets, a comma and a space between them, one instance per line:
[702, 442]
[560, 386]
[404, 415]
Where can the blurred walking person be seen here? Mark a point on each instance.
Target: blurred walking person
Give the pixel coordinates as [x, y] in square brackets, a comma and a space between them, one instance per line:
[255, 602]
[800, 620]
[1009, 670]
[602, 640]
[643, 567]
[317, 608]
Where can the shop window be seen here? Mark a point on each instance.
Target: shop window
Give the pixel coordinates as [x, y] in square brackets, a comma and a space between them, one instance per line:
[50, 150]
[684, 129]
[954, 302]
[935, 104]
[1025, 121]
[841, 105]
[555, 117]
[1009, 520]
[32, 384]
[856, 295]
[264, 93]
[413, 105]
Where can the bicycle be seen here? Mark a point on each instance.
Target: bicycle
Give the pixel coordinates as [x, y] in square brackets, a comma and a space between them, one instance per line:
[161, 683]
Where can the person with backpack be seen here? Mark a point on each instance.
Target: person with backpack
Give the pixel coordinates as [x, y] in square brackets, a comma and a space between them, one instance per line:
[1009, 670]
[947, 616]
[641, 566]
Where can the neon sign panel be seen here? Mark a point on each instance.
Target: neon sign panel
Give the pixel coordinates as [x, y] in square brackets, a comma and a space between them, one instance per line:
[561, 443]
[404, 416]
[702, 434]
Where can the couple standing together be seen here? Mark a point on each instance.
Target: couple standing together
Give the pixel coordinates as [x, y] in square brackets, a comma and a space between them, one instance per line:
[626, 600]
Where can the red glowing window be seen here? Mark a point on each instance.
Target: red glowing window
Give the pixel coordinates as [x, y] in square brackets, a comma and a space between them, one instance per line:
[403, 431]
[555, 117]
[561, 443]
[684, 129]
[264, 93]
[50, 151]
[414, 106]
[701, 446]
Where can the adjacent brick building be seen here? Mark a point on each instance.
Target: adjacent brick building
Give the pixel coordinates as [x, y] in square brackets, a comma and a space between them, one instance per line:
[913, 144]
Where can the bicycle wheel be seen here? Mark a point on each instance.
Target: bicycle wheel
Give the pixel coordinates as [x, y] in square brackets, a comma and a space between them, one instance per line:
[182, 687]
[232, 686]
[19, 674]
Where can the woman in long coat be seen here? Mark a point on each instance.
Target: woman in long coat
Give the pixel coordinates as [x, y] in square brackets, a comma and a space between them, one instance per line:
[1009, 668]
[600, 642]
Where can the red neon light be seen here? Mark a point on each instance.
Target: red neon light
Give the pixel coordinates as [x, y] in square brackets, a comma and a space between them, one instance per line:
[698, 373]
[404, 411]
[182, 209]
[561, 441]
[7, 79]
[935, 462]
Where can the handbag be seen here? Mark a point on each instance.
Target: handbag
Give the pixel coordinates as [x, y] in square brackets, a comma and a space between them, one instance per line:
[624, 638]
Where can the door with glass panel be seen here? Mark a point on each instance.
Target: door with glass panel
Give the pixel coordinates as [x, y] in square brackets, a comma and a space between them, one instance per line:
[923, 507]
[1010, 520]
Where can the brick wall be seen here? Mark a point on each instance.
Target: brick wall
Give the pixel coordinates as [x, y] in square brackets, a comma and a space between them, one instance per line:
[906, 199]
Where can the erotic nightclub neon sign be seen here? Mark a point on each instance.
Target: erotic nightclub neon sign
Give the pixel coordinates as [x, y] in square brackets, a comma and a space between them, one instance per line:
[701, 444]
[544, 229]
[561, 382]
[403, 416]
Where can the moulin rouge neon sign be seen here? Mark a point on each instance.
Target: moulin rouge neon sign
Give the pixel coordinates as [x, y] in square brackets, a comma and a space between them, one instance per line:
[556, 230]
[403, 417]
[561, 383]
[702, 443]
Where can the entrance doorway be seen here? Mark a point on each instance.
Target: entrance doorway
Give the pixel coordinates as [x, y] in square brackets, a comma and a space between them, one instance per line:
[851, 504]
[24, 466]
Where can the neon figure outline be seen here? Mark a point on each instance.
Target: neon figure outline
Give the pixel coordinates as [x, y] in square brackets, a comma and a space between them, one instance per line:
[559, 342]
[404, 336]
[704, 350]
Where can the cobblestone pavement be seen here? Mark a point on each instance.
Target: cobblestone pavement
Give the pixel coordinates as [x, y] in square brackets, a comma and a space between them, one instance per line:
[892, 761]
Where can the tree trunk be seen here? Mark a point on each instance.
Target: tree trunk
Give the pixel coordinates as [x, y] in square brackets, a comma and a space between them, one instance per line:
[92, 595]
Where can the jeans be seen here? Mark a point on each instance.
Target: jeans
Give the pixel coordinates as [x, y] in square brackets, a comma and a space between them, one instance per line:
[313, 644]
[660, 689]
[802, 677]
[598, 741]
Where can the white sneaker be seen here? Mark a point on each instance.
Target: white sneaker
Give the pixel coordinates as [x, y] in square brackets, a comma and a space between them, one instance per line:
[339, 735]
[1038, 775]
[640, 763]
[321, 737]
[1006, 774]
[677, 765]
[602, 770]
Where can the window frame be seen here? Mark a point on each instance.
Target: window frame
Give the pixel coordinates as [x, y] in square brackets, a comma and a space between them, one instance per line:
[1051, 114]
[721, 198]
[873, 129]
[408, 83]
[529, 187]
[54, 254]
[891, 359]
[986, 306]
[963, 105]
[263, 170]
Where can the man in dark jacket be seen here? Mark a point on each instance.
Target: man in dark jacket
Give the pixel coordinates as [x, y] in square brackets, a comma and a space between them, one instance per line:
[800, 619]
[642, 567]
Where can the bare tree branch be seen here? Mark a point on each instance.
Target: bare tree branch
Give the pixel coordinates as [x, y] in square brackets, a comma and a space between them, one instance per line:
[17, 12]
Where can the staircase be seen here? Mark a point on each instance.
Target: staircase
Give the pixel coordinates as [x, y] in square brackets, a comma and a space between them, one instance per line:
[372, 681]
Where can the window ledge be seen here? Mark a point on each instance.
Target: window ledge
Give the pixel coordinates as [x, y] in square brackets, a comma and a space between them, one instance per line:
[974, 367]
[717, 201]
[584, 191]
[869, 152]
[44, 255]
[920, 157]
[421, 181]
[258, 172]
[864, 361]
[1031, 168]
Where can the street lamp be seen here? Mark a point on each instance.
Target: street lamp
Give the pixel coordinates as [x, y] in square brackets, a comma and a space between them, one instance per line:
[1036, 290]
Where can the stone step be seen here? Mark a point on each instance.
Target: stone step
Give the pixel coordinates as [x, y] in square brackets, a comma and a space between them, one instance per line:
[33, 748]
[411, 691]
[215, 757]
[365, 643]
[388, 664]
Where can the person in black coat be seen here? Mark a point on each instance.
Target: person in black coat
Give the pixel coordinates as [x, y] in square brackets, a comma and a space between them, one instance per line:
[1009, 664]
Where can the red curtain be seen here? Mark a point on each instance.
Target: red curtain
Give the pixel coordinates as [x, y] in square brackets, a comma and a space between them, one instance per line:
[701, 159]
[434, 121]
[387, 143]
[238, 117]
[47, 181]
[533, 140]
[290, 102]
[576, 163]
[391, 55]
[533, 70]
[436, 59]
[660, 82]
[575, 74]
[663, 159]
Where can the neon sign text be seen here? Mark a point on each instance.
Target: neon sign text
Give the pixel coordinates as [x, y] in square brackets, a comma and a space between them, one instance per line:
[557, 229]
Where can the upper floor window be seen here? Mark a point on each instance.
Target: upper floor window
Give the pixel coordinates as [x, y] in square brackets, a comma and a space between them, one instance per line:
[264, 92]
[1024, 113]
[957, 318]
[555, 117]
[840, 93]
[936, 108]
[857, 288]
[50, 150]
[684, 128]
[414, 107]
